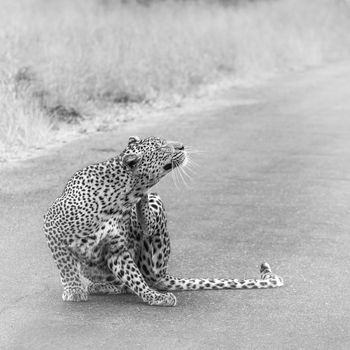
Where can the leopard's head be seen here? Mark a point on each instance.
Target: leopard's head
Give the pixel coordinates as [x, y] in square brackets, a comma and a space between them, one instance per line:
[148, 160]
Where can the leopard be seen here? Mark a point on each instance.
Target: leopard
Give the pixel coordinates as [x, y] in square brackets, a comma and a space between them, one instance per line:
[108, 231]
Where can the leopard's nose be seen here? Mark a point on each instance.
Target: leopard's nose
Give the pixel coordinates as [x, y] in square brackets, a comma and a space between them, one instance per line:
[178, 146]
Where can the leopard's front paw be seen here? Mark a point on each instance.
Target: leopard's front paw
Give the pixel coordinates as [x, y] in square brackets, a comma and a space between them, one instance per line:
[74, 294]
[166, 299]
[170, 299]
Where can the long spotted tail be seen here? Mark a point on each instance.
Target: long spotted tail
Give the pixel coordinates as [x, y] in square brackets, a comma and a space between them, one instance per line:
[268, 280]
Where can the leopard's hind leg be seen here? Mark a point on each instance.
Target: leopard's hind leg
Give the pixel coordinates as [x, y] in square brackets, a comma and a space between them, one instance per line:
[153, 243]
[154, 254]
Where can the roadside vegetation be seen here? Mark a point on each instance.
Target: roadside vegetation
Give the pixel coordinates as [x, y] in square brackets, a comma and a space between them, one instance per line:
[67, 62]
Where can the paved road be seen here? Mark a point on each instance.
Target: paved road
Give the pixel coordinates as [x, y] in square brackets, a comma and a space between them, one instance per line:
[272, 183]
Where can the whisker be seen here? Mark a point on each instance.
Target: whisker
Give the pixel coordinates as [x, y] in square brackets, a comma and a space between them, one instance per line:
[178, 178]
[188, 165]
[190, 170]
[192, 150]
[191, 162]
[173, 177]
[185, 173]
[182, 177]
[177, 182]
[179, 175]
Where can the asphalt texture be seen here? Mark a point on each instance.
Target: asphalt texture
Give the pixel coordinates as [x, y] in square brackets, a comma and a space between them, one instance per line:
[272, 184]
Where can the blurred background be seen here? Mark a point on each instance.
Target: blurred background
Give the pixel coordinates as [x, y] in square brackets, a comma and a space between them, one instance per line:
[65, 63]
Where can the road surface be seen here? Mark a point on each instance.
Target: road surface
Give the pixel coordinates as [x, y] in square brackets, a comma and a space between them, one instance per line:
[272, 184]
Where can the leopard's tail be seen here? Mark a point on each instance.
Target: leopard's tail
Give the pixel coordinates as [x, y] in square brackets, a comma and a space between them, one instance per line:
[268, 280]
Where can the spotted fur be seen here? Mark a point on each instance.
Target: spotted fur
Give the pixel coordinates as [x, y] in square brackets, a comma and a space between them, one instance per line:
[108, 234]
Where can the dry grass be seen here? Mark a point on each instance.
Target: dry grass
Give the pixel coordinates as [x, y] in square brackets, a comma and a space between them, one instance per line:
[84, 54]
[23, 123]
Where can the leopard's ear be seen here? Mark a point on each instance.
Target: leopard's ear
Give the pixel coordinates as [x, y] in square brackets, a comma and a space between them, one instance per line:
[131, 160]
[133, 139]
